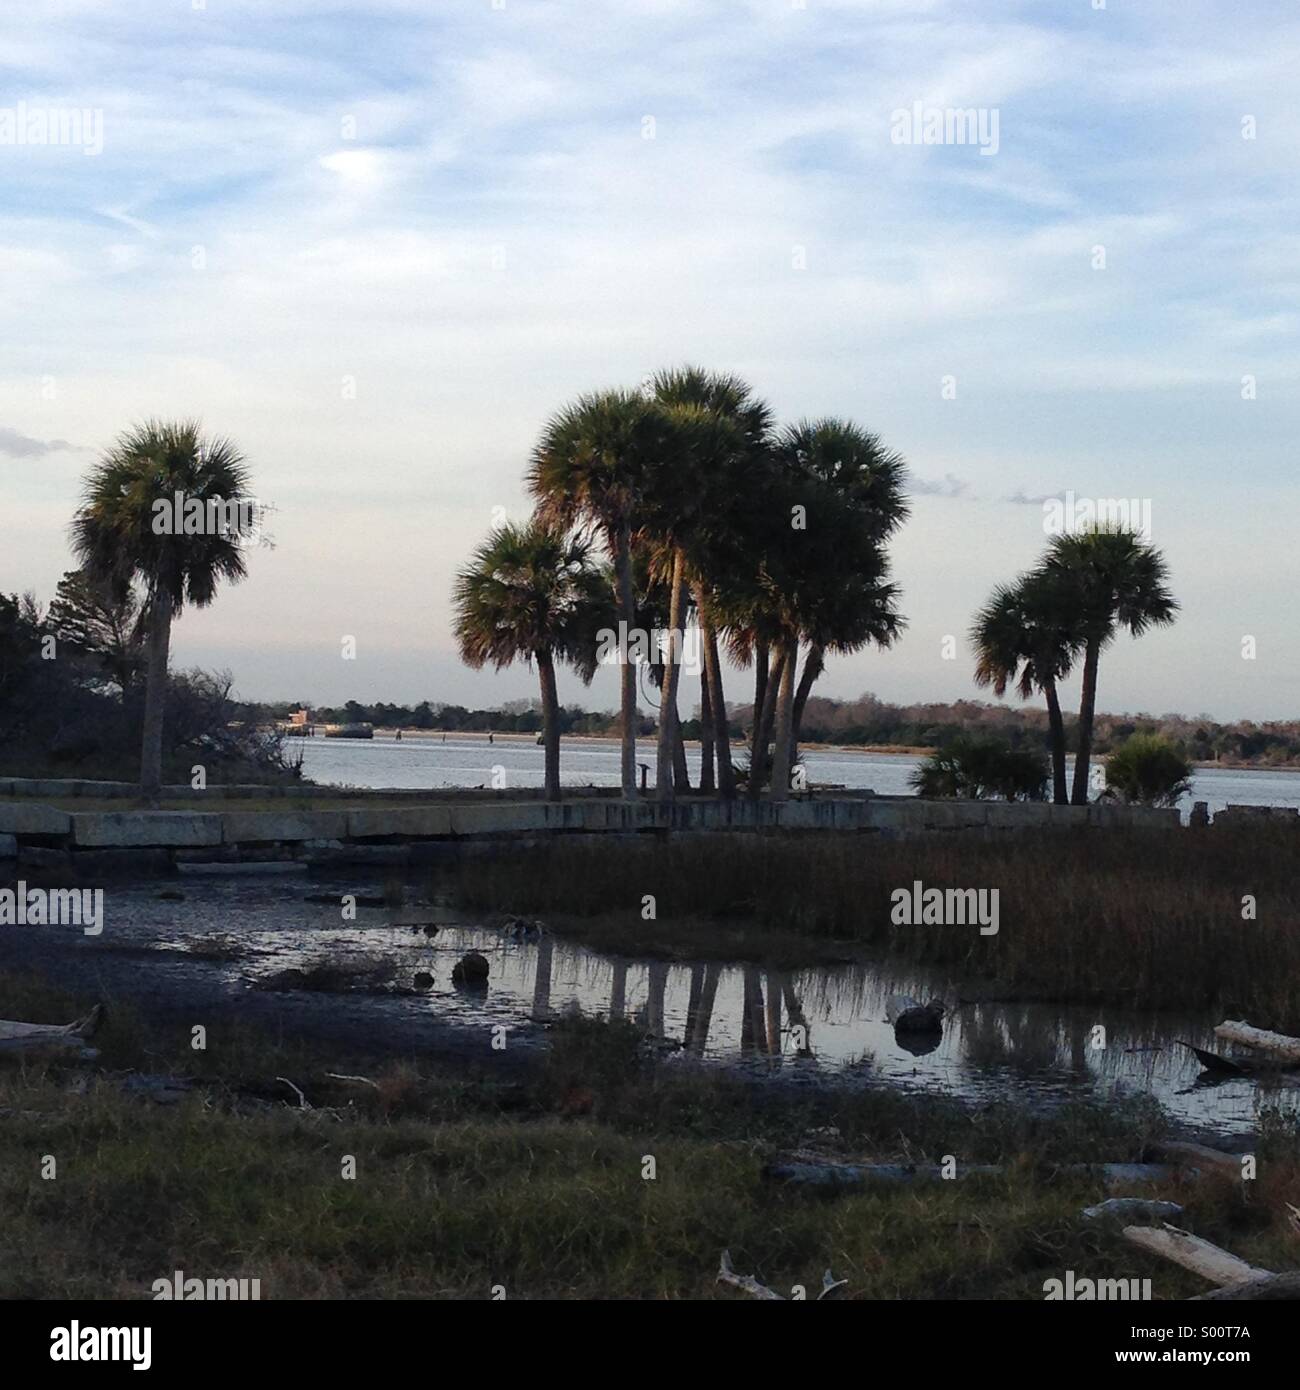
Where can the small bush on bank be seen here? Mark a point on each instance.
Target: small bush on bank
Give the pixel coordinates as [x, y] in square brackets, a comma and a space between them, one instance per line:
[1147, 770]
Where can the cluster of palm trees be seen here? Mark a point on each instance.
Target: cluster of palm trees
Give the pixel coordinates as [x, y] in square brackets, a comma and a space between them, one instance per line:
[1087, 588]
[683, 503]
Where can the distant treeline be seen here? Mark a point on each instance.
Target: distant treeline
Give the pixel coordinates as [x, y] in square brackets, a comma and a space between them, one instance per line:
[866, 721]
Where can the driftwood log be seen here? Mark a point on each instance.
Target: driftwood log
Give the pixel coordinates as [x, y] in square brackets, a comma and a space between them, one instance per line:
[1198, 1156]
[1272, 1286]
[822, 1172]
[22, 1041]
[1132, 1209]
[1237, 1280]
[1191, 1252]
[1278, 1047]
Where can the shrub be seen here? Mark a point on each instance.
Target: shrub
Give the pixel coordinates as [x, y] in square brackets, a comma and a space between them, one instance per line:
[983, 768]
[1148, 770]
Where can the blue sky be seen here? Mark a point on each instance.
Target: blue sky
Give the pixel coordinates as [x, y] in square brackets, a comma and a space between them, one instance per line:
[379, 242]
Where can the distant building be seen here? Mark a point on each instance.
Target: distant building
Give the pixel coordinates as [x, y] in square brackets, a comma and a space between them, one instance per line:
[301, 716]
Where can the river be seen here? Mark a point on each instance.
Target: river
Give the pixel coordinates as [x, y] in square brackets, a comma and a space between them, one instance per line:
[465, 761]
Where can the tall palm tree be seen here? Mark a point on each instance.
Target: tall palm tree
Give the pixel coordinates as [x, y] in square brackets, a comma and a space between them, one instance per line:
[118, 542]
[678, 500]
[869, 478]
[593, 465]
[1112, 579]
[1025, 635]
[717, 544]
[530, 593]
[830, 590]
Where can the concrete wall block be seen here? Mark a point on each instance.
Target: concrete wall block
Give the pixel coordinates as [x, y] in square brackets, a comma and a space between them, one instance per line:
[416, 821]
[32, 818]
[124, 829]
[241, 827]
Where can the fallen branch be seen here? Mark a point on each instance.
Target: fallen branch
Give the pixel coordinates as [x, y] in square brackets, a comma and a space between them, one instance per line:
[830, 1286]
[302, 1099]
[343, 1076]
[1131, 1209]
[1191, 1252]
[58, 1040]
[1283, 1050]
[13, 1031]
[1270, 1287]
[745, 1282]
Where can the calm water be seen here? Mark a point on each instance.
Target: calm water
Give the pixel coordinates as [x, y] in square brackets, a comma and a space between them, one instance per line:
[471, 762]
[821, 1022]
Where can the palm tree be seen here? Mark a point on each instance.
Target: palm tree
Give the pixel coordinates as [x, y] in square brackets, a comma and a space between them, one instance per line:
[870, 479]
[1111, 579]
[1023, 635]
[593, 465]
[717, 541]
[118, 541]
[830, 591]
[530, 593]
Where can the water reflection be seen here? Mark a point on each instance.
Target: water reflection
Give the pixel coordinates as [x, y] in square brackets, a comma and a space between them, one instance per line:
[823, 1020]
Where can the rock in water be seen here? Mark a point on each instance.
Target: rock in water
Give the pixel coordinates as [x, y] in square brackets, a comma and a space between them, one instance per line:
[470, 970]
[423, 980]
[908, 1016]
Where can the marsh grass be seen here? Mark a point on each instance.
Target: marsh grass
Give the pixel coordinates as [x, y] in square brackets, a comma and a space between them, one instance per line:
[1153, 921]
[466, 1179]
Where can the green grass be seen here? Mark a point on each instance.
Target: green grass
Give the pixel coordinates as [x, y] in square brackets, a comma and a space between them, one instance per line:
[1152, 921]
[534, 1181]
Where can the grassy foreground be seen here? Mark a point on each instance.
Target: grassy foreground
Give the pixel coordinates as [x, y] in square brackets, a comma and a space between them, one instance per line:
[1149, 920]
[532, 1179]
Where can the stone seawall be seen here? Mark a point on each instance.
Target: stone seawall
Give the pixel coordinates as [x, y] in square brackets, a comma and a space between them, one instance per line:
[44, 835]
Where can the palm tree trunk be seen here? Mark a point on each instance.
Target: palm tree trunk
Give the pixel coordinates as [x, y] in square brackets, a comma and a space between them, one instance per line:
[717, 703]
[155, 694]
[758, 763]
[668, 736]
[1087, 705]
[681, 769]
[812, 668]
[756, 715]
[707, 783]
[550, 724]
[761, 650]
[1056, 741]
[784, 733]
[627, 675]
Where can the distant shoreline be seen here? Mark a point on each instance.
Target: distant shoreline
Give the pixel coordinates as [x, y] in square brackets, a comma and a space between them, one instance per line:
[885, 750]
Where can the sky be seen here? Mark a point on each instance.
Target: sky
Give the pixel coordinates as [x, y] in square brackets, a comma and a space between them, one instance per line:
[379, 243]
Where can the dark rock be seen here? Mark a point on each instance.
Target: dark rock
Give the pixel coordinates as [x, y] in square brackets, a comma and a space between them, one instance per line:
[423, 980]
[470, 970]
